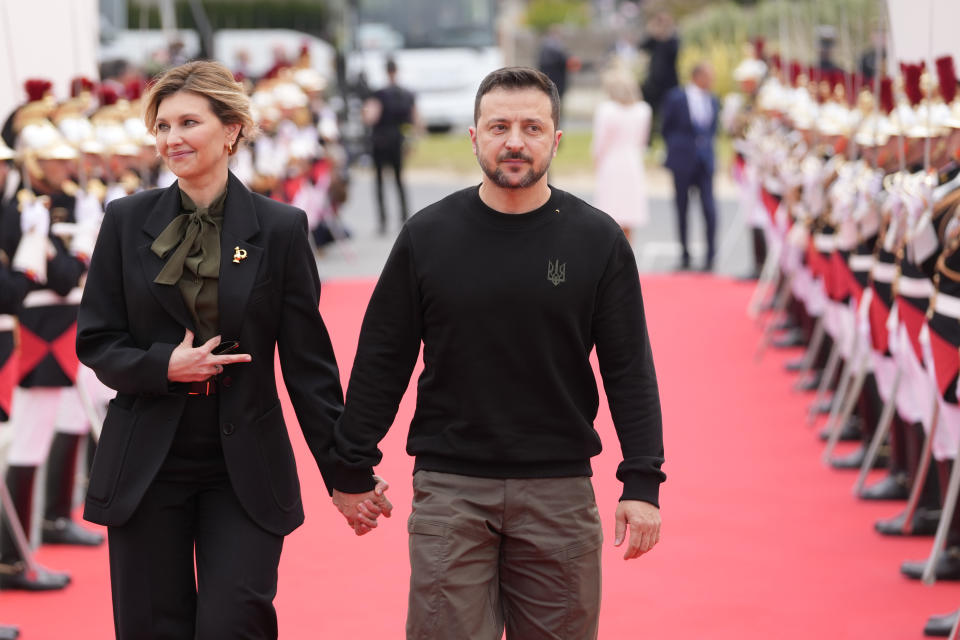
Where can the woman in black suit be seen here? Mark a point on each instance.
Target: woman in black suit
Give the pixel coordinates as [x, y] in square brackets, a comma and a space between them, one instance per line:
[190, 291]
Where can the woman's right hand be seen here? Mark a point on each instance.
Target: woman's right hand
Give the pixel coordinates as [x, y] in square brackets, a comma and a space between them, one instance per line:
[196, 364]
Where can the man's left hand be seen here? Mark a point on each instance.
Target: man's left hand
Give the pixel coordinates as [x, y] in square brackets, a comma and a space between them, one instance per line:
[643, 519]
[361, 510]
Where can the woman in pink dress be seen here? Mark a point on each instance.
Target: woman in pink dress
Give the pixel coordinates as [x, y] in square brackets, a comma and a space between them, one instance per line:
[621, 129]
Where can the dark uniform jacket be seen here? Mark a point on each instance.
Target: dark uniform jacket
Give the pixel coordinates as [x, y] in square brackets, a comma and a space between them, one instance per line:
[48, 317]
[688, 144]
[268, 300]
[63, 270]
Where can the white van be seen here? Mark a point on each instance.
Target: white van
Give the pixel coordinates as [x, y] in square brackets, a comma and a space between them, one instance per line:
[443, 49]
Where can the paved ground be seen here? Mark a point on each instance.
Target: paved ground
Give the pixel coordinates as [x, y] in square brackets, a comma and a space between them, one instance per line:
[362, 256]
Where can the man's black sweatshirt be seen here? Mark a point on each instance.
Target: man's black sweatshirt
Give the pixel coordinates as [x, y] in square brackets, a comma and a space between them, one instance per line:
[508, 308]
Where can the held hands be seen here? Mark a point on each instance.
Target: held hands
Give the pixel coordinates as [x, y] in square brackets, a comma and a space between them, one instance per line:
[644, 521]
[189, 364]
[362, 509]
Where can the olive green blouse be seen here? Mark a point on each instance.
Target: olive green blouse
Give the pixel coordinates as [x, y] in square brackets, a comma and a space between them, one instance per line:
[191, 246]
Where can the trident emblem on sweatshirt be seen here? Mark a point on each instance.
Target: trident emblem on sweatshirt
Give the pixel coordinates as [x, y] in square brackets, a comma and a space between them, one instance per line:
[556, 272]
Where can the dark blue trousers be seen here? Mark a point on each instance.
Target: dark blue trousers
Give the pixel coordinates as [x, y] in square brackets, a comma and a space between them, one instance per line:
[701, 178]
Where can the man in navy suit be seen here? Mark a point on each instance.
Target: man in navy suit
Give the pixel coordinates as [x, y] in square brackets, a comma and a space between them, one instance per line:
[689, 126]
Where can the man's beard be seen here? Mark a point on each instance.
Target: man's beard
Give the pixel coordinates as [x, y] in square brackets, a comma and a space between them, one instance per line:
[501, 179]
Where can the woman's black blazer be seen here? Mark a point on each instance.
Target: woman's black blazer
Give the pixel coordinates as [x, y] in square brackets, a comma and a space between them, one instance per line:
[268, 301]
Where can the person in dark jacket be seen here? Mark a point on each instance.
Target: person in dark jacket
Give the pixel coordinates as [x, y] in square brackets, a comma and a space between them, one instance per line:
[192, 291]
[392, 115]
[45, 274]
[689, 127]
[662, 45]
[508, 286]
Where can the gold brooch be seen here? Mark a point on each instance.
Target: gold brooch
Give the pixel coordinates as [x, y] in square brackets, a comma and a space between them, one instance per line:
[239, 254]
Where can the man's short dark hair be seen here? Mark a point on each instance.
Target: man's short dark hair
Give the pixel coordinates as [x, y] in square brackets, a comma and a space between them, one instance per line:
[391, 65]
[700, 67]
[519, 78]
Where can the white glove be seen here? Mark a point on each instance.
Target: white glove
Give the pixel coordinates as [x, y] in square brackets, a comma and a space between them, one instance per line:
[35, 216]
[923, 242]
[31, 257]
[89, 215]
[83, 242]
[34, 248]
[88, 211]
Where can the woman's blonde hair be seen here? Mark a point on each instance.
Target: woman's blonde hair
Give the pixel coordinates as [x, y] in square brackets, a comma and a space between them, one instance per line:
[227, 98]
[621, 86]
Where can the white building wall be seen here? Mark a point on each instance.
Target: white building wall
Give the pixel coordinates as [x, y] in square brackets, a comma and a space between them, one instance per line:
[52, 39]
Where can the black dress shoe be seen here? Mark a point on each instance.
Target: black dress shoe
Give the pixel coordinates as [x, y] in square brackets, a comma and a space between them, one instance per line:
[18, 577]
[66, 531]
[850, 432]
[947, 567]
[940, 626]
[893, 487]
[852, 460]
[925, 523]
[855, 460]
[790, 338]
[794, 365]
[823, 408]
[9, 633]
[810, 382]
[769, 305]
[785, 324]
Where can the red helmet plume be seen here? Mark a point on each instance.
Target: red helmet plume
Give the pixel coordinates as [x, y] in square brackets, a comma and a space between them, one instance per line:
[37, 88]
[947, 75]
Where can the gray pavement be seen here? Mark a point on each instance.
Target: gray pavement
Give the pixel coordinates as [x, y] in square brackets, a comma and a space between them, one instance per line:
[363, 255]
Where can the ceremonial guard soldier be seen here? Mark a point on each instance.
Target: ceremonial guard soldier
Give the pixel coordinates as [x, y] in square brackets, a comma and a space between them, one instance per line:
[735, 116]
[47, 421]
[13, 287]
[875, 205]
[876, 136]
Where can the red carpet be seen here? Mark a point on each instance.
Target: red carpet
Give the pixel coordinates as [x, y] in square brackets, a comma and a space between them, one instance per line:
[759, 539]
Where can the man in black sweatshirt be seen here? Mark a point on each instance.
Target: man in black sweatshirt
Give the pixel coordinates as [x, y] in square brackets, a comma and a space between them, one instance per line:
[509, 286]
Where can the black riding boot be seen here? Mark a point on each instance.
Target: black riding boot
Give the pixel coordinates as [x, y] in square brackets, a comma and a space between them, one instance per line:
[58, 525]
[14, 573]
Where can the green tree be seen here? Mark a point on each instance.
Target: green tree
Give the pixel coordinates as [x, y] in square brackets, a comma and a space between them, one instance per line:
[541, 14]
[309, 16]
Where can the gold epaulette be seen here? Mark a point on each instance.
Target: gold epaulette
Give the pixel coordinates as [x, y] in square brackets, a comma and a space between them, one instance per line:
[129, 181]
[96, 188]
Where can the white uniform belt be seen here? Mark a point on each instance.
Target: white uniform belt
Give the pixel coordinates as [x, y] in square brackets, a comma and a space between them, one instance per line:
[883, 271]
[47, 298]
[947, 305]
[861, 262]
[7, 323]
[914, 287]
[824, 243]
